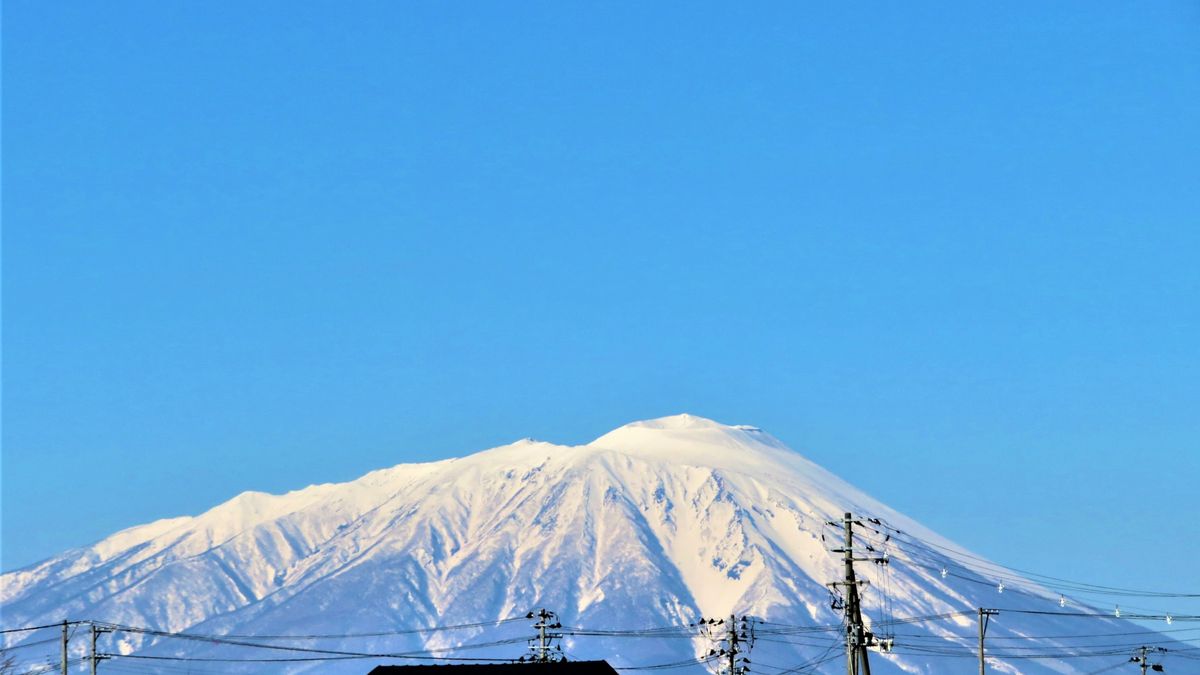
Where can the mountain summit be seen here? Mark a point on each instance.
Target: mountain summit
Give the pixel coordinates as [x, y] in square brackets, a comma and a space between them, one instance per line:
[656, 523]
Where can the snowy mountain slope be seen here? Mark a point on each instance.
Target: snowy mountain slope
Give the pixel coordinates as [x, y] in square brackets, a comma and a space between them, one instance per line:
[656, 523]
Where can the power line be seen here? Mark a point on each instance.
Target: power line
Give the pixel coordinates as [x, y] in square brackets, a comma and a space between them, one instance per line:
[410, 631]
[1026, 575]
[812, 638]
[27, 629]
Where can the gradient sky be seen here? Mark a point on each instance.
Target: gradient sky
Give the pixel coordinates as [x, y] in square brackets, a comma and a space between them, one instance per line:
[951, 251]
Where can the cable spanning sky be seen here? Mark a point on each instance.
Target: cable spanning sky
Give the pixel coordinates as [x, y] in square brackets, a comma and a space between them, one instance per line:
[925, 636]
[949, 251]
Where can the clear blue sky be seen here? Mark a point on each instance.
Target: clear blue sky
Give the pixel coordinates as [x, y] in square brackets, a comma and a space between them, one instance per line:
[949, 250]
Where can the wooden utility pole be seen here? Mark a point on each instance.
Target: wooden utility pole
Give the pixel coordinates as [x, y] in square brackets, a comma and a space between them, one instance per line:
[984, 615]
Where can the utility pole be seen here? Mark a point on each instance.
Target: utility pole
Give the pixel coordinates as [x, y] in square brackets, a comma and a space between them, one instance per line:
[857, 637]
[93, 658]
[65, 638]
[734, 643]
[854, 630]
[739, 665]
[984, 616]
[1143, 660]
[543, 644]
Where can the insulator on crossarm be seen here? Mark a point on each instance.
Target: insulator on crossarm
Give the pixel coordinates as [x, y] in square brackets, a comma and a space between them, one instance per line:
[944, 572]
[1062, 601]
[1000, 588]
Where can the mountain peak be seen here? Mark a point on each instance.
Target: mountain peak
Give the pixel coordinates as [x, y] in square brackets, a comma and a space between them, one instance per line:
[680, 421]
[691, 439]
[684, 425]
[700, 517]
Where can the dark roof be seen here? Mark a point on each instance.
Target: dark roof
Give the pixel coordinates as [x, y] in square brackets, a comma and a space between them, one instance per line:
[559, 668]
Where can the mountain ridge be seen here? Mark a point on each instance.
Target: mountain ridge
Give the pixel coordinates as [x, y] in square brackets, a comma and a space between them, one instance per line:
[659, 522]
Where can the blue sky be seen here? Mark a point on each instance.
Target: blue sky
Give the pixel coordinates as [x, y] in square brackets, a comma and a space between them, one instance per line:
[948, 250]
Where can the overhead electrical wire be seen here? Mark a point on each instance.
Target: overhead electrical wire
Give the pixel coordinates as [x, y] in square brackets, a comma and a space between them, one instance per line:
[410, 631]
[801, 636]
[26, 629]
[897, 545]
[1018, 574]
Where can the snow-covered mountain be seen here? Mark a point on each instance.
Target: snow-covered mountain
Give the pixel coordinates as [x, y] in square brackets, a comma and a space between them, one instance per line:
[657, 523]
